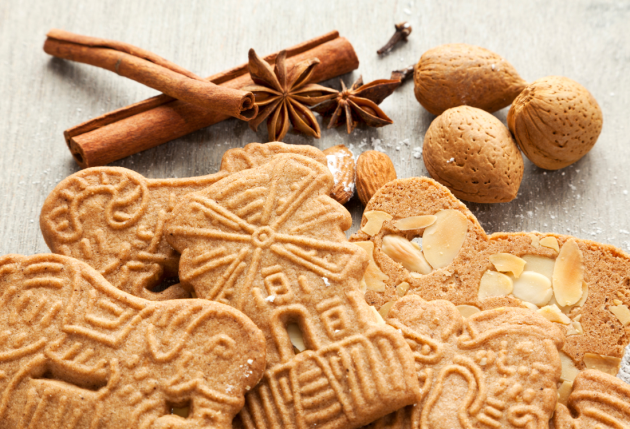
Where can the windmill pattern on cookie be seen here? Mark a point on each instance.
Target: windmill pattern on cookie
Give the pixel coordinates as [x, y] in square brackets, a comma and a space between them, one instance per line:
[497, 369]
[77, 353]
[269, 241]
[113, 218]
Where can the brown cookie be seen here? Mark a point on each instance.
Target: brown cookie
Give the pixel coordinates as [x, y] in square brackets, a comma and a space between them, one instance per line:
[270, 242]
[598, 401]
[112, 218]
[496, 369]
[582, 285]
[75, 352]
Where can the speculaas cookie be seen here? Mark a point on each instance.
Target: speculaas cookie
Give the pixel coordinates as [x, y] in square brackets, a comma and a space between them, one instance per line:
[77, 353]
[270, 242]
[496, 369]
[112, 218]
[582, 285]
[598, 401]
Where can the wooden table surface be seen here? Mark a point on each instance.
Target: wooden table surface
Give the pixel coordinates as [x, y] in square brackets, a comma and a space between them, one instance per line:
[586, 40]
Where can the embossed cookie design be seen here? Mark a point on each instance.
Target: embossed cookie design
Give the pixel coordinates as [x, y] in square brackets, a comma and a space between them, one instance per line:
[598, 400]
[581, 286]
[496, 369]
[270, 242]
[113, 218]
[77, 353]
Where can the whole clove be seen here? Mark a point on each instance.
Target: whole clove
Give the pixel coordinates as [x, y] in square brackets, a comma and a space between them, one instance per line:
[402, 74]
[403, 30]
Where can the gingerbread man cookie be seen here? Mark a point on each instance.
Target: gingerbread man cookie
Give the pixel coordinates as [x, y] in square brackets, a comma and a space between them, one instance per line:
[77, 353]
[270, 242]
[113, 218]
[496, 369]
[581, 285]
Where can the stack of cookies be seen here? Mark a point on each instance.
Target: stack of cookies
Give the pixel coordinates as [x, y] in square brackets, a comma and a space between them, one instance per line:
[279, 321]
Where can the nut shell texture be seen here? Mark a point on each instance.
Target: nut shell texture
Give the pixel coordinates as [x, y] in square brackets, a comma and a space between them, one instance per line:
[374, 169]
[555, 121]
[458, 74]
[473, 154]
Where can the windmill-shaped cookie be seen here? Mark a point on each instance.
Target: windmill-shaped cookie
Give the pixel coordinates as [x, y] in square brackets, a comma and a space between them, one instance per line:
[496, 369]
[77, 353]
[113, 218]
[580, 285]
[270, 242]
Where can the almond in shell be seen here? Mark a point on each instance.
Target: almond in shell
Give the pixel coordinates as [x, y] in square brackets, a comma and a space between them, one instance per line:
[555, 121]
[459, 74]
[374, 169]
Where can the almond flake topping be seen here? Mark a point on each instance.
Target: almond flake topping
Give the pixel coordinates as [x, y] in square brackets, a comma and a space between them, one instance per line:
[415, 222]
[607, 364]
[374, 277]
[568, 274]
[406, 253]
[508, 263]
[551, 243]
[622, 312]
[533, 287]
[467, 310]
[375, 222]
[494, 284]
[443, 240]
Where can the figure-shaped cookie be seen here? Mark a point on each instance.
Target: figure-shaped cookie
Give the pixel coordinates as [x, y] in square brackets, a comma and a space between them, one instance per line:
[77, 353]
[581, 285]
[113, 218]
[598, 400]
[270, 242]
[496, 369]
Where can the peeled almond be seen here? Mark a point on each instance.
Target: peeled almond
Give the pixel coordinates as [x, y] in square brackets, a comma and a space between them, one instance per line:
[607, 364]
[553, 314]
[374, 277]
[569, 370]
[415, 222]
[568, 274]
[443, 240]
[540, 265]
[375, 221]
[404, 252]
[494, 284]
[530, 305]
[401, 289]
[564, 391]
[533, 287]
[467, 310]
[295, 335]
[508, 263]
[622, 312]
[551, 243]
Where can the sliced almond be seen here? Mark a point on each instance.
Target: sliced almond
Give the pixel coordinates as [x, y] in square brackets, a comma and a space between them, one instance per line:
[622, 312]
[564, 391]
[553, 314]
[375, 221]
[402, 289]
[443, 240]
[508, 263]
[617, 301]
[374, 278]
[551, 243]
[494, 284]
[530, 305]
[540, 265]
[584, 295]
[535, 241]
[568, 274]
[533, 287]
[608, 364]
[296, 337]
[569, 370]
[404, 252]
[363, 285]
[384, 310]
[415, 222]
[377, 316]
[467, 310]
[575, 328]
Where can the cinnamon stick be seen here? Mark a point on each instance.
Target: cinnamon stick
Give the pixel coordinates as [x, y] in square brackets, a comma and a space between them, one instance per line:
[160, 119]
[151, 70]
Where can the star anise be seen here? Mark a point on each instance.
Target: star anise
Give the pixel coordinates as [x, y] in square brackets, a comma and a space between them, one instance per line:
[359, 104]
[282, 97]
